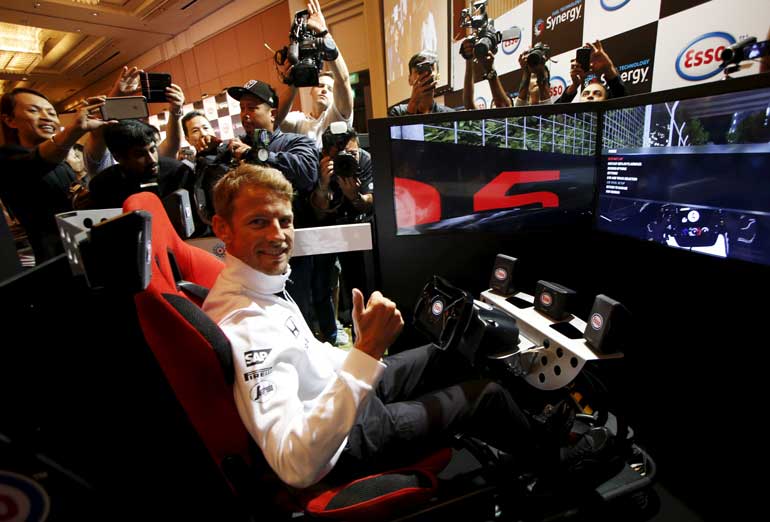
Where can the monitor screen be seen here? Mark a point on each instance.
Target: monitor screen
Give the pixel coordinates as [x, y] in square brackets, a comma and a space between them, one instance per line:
[493, 175]
[691, 174]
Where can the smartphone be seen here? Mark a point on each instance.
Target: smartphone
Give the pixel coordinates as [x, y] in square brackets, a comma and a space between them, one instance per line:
[125, 108]
[583, 57]
[154, 86]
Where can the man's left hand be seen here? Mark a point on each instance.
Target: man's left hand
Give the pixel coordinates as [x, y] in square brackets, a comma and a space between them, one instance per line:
[238, 148]
[315, 19]
[349, 187]
[175, 98]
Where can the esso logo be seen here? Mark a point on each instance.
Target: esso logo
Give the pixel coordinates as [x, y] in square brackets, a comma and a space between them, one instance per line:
[481, 103]
[613, 5]
[539, 27]
[437, 307]
[546, 299]
[22, 499]
[510, 46]
[501, 274]
[700, 59]
[558, 85]
[597, 321]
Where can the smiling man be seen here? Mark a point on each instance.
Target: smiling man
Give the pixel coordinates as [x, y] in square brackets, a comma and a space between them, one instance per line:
[313, 408]
[36, 179]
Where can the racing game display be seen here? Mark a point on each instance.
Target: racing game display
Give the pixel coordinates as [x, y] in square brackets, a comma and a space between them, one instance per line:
[692, 174]
[493, 175]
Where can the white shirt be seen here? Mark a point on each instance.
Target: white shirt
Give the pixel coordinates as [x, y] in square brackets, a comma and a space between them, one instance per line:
[300, 123]
[297, 397]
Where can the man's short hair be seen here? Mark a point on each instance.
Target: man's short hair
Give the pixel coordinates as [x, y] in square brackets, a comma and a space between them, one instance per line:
[8, 104]
[329, 139]
[248, 175]
[330, 74]
[127, 134]
[187, 117]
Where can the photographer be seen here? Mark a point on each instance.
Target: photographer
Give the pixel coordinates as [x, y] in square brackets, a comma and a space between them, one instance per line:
[36, 179]
[535, 85]
[499, 96]
[423, 78]
[601, 65]
[332, 98]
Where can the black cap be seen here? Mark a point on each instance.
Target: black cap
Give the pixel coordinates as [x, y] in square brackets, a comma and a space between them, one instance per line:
[256, 88]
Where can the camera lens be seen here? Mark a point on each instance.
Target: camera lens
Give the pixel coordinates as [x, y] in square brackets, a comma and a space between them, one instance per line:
[534, 59]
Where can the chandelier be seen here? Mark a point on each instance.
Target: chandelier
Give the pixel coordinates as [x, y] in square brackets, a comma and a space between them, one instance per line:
[20, 48]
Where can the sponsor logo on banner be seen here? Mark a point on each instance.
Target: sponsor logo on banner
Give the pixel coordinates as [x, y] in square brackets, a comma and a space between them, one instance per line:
[597, 321]
[511, 45]
[636, 72]
[262, 391]
[613, 5]
[481, 103]
[568, 13]
[253, 357]
[539, 27]
[437, 307]
[699, 59]
[558, 86]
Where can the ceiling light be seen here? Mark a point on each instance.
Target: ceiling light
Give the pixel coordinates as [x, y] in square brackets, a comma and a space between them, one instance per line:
[21, 48]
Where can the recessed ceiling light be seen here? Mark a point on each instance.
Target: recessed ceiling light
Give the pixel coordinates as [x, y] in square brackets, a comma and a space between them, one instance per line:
[95, 14]
[24, 79]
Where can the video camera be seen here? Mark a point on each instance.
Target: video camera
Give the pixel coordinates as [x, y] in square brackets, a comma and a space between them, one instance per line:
[485, 37]
[305, 52]
[746, 49]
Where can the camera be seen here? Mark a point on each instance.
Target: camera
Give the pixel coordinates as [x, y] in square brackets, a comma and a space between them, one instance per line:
[345, 164]
[746, 49]
[259, 152]
[306, 52]
[539, 54]
[485, 37]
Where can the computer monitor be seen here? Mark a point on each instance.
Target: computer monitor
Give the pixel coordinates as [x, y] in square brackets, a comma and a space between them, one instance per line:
[690, 173]
[492, 174]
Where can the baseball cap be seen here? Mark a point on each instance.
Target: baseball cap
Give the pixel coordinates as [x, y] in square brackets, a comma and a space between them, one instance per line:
[256, 88]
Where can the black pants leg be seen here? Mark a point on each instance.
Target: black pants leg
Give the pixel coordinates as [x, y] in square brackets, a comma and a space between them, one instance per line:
[406, 417]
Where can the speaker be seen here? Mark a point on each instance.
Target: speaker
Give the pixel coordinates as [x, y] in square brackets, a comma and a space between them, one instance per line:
[501, 280]
[607, 325]
[553, 300]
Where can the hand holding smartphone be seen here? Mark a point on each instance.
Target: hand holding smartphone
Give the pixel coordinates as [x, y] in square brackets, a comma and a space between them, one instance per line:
[154, 86]
[124, 108]
[583, 58]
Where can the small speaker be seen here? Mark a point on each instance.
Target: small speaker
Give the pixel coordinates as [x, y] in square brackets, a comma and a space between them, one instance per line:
[553, 300]
[607, 326]
[501, 280]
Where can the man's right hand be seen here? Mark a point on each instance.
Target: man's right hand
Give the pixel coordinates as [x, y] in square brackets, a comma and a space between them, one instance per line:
[377, 324]
[127, 83]
[466, 49]
[327, 171]
[205, 141]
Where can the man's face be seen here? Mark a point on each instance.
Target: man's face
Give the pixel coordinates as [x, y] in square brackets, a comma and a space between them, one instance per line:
[140, 162]
[323, 95]
[255, 114]
[351, 147]
[416, 75]
[261, 230]
[34, 118]
[197, 129]
[593, 92]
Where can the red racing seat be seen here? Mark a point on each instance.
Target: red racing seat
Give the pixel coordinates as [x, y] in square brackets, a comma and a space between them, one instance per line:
[195, 357]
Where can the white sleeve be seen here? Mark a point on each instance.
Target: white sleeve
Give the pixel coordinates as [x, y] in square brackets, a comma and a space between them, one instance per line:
[332, 115]
[300, 437]
[291, 122]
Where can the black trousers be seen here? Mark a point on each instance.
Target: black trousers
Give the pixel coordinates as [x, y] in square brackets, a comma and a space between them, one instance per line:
[424, 396]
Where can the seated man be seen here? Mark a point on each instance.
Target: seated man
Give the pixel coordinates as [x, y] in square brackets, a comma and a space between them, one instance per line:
[313, 408]
[134, 145]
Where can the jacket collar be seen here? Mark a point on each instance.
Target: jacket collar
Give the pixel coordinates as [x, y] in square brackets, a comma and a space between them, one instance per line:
[254, 280]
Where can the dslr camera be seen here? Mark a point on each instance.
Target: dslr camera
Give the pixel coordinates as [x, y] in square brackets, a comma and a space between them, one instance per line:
[338, 135]
[306, 52]
[540, 53]
[485, 37]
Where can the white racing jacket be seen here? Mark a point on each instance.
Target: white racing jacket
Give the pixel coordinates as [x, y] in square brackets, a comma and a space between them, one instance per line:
[298, 397]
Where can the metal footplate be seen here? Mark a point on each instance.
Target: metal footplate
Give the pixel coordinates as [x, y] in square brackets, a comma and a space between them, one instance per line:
[557, 350]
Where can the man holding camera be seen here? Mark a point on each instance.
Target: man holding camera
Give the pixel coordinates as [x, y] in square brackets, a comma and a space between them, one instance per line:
[487, 63]
[344, 194]
[332, 98]
[601, 65]
[423, 78]
[535, 87]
